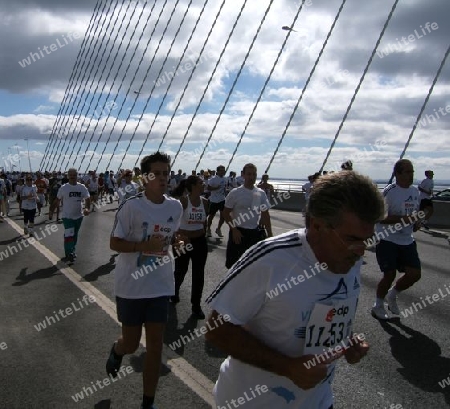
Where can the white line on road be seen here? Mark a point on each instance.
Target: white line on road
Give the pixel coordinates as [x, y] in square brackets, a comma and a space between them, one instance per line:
[182, 369]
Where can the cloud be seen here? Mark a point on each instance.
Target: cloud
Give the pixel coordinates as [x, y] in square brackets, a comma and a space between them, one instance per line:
[386, 106]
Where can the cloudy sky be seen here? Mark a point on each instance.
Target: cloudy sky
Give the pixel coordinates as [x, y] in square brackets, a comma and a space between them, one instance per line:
[119, 102]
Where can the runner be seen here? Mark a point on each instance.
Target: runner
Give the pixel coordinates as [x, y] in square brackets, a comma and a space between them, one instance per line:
[144, 228]
[279, 340]
[29, 205]
[19, 187]
[216, 186]
[41, 186]
[426, 191]
[71, 196]
[127, 188]
[397, 249]
[54, 185]
[247, 213]
[92, 186]
[193, 228]
[266, 186]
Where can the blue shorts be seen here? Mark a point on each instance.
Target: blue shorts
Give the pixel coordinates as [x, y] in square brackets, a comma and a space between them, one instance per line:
[135, 312]
[392, 257]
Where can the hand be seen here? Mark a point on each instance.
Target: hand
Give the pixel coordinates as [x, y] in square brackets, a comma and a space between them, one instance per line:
[357, 351]
[154, 245]
[237, 236]
[86, 212]
[303, 377]
[179, 242]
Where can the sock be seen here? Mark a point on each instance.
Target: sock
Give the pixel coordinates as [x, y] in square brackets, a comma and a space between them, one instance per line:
[147, 401]
[116, 355]
[393, 292]
[379, 302]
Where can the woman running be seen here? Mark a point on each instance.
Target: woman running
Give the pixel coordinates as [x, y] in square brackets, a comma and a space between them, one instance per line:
[193, 231]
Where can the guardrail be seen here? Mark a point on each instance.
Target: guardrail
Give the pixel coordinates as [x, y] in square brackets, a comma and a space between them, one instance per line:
[296, 203]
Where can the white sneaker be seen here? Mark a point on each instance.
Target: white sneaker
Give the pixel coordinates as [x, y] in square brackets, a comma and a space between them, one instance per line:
[208, 233]
[392, 303]
[379, 313]
[219, 232]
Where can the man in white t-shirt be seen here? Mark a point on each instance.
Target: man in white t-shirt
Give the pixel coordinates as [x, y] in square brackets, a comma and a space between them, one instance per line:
[143, 232]
[291, 301]
[70, 196]
[247, 213]
[426, 191]
[217, 186]
[397, 249]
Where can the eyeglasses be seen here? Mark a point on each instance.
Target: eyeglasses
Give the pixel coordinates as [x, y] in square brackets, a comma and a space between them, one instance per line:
[362, 246]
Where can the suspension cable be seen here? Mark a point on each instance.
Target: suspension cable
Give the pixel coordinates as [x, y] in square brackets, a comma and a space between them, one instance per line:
[359, 84]
[306, 85]
[209, 81]
[120, 87]
[113, 83]
[75, 93]
[84, 84]
[123, 78]
[430, 91]
[265, 84]
[69, 83]
[158, 76]
[234, 83]
[135, 73]
[191, 74]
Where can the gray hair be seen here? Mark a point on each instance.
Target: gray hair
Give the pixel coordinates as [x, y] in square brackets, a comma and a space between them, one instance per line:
[349, 191]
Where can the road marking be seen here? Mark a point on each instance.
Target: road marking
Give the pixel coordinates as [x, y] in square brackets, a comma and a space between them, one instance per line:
[182, 369]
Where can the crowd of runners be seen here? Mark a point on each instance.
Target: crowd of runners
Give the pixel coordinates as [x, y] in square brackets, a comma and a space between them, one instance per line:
[161, 213]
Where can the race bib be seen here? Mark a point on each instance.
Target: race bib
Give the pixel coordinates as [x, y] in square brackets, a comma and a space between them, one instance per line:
[330, 326]
[196, 216]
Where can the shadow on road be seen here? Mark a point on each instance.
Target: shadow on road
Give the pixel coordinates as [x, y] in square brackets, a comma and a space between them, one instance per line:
[102, 270]
[420, 357]
[24, 278]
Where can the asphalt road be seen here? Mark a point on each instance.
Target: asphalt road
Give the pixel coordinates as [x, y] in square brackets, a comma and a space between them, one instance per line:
[46, 367]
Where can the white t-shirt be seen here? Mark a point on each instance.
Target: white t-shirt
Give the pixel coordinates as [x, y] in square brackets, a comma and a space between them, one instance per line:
[247, 205]
[28, 204]
[281, 314]
[217, 195]
[427, 184]
[72, 197]
[136, 220]
[125, 190]
[399, 202]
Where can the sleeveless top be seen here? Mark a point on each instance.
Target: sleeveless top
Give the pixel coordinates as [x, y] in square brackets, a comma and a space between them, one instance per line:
[194, 217]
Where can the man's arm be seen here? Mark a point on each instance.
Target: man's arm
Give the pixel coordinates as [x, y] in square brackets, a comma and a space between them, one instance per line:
[265, 221]
[240, 344]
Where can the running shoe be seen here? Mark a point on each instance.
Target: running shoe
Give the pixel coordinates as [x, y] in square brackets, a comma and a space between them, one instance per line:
[208, 233]
[379, 313]
[148, 407]
[219, 232]
[392, 303]
[25, 230]
[71, 258]
[113, 363]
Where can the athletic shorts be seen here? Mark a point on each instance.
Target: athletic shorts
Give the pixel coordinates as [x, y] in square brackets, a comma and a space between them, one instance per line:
[135, 312]
[214, 207]
[424, 203]
[392, 257]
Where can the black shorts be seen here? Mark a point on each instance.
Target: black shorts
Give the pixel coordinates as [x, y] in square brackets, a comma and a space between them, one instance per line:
[424, 203]
[392, 257]
[214, 207]
[135, 312]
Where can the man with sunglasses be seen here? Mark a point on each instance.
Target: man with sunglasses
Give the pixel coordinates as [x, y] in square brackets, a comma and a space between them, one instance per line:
[291, 302]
